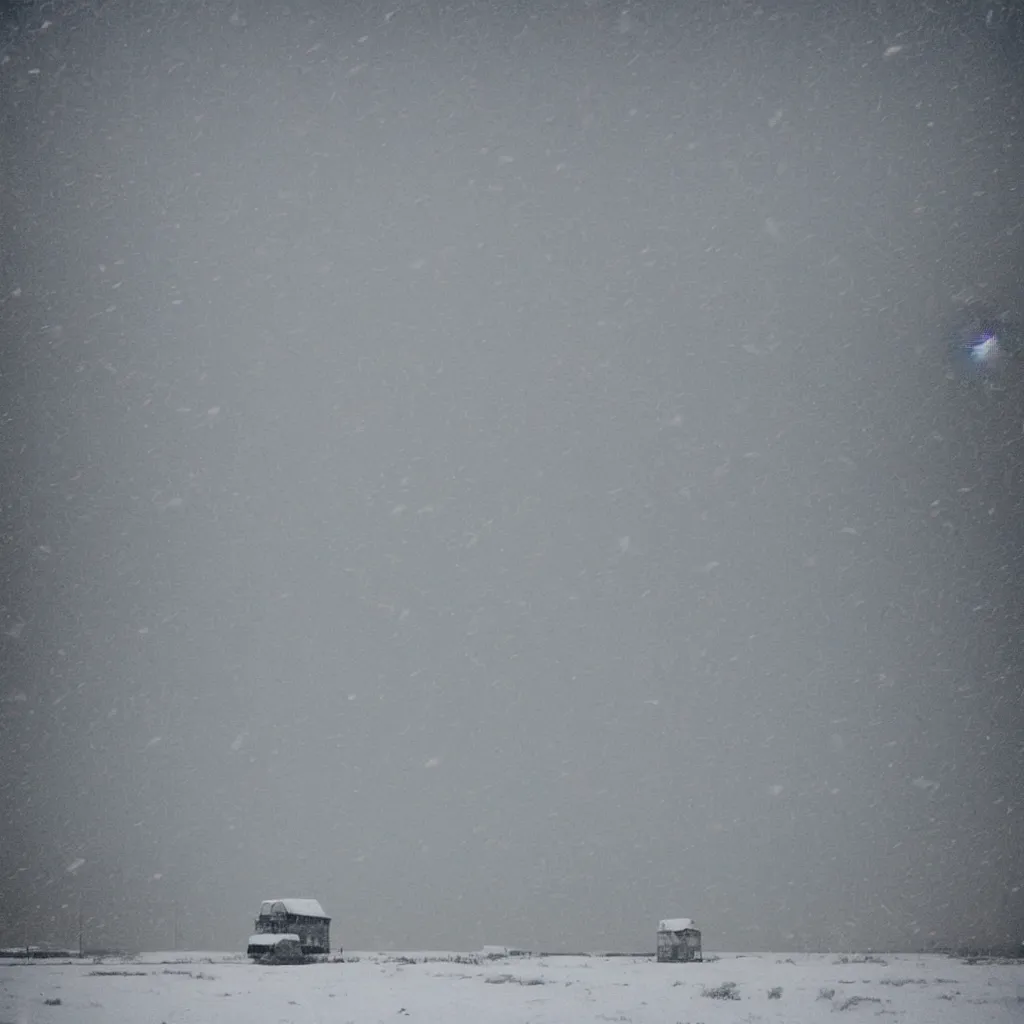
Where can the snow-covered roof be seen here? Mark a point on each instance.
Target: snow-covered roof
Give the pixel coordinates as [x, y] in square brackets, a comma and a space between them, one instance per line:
[675, 924]
[271, 940]
[302, 908]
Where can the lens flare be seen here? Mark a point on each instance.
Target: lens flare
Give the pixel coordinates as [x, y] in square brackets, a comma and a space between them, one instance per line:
[982, 345]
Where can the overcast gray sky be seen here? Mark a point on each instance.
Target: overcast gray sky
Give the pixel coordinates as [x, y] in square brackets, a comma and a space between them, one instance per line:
[494, 469]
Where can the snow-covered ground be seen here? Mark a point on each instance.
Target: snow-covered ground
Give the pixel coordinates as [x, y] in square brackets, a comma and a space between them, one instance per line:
[448, 989]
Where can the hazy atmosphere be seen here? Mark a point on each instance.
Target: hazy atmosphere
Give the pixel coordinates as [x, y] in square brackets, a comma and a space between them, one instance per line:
[497, 468]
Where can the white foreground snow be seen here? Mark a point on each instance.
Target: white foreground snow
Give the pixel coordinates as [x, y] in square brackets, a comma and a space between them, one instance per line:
[176, 987]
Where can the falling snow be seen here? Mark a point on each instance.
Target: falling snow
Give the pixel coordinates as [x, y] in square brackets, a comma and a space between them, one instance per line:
[512, 472]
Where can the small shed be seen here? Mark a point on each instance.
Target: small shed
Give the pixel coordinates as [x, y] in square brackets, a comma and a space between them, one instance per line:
[302, 920]
[263, 945]
[678, 941]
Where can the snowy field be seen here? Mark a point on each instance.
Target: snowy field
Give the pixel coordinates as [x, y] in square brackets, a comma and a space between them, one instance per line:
[449, 988]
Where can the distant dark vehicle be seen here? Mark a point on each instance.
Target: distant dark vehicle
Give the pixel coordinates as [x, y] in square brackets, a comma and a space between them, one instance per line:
[300, 920]
[678, 941]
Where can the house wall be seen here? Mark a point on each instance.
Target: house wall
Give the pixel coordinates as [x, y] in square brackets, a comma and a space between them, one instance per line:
[314, 932]
[679, 947]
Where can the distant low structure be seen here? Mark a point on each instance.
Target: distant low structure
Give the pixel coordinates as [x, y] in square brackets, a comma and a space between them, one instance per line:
[300, 921]
[39, 953]
[500, 952]
[678, 941]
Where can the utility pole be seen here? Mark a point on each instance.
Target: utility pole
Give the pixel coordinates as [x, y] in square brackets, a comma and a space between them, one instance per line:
[80, 945]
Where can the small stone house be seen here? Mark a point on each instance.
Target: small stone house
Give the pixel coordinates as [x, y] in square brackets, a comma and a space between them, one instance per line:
[678, 941]
[302, 920]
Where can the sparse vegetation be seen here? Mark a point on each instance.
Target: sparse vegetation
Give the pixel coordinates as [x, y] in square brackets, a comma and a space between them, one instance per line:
[727, 990]
[470, 959]
[849, 1004]
[612, 989]
[988, 961]
[861, 959]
